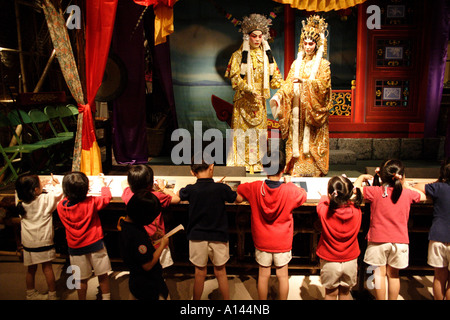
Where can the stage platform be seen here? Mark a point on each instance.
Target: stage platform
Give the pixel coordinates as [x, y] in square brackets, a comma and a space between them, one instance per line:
[421, 168]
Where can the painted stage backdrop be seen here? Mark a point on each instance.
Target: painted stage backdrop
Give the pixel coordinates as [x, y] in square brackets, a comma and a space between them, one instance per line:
[205, 38]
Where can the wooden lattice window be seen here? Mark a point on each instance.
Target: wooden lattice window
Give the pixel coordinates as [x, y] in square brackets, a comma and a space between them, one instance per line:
[392, 93]
[393, 53]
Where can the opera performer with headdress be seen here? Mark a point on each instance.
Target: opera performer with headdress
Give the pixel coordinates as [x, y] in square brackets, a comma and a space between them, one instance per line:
[303, 103]
[253, 72]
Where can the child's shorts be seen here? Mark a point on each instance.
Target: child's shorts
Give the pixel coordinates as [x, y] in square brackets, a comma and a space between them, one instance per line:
[279, 259]
[200, 251]
[97, 261]
[395, 255]
[31, 257]
[335, 274]
[439, 254]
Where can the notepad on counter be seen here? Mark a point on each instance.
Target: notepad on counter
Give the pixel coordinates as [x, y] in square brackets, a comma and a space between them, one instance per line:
[301, 184]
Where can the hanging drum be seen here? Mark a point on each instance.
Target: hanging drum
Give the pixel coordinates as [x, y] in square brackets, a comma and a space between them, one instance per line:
[114, 81]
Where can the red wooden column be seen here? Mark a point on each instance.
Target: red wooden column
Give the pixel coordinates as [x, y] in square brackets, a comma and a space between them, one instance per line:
[361, 66]
[289, 38]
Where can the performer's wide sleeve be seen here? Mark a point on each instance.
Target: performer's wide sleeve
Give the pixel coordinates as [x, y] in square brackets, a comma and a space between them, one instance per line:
[319, 102]
[234, 74]
[277, 79]
[281, 103]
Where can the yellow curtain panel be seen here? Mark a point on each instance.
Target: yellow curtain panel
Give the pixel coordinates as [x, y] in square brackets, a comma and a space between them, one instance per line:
[163, 23]
[321, 5]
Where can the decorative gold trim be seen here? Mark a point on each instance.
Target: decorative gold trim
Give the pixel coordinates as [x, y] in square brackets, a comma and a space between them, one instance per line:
[342, 103]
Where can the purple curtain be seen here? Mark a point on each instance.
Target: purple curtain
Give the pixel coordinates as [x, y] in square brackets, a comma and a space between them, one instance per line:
[163, 72]
[129, 110]
[163, 95]
[438, 54]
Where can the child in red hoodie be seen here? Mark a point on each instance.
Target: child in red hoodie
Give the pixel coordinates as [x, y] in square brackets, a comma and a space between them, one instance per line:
[84, 233]
[272, 203]
[338, 247]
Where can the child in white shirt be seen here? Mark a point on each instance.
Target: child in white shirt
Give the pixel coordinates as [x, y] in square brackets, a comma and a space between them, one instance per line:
[36, 210]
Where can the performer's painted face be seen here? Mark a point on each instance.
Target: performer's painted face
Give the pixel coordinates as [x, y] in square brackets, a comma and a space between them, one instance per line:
[310, 46]
[255, 38]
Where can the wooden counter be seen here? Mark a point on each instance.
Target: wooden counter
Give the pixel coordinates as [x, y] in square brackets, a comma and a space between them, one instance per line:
[306, 226]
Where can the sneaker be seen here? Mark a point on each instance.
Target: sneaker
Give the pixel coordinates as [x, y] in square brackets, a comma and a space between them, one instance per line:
[35, 295]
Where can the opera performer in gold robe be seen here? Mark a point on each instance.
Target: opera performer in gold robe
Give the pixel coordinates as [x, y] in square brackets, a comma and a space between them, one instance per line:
[253, 72]
[303, 103]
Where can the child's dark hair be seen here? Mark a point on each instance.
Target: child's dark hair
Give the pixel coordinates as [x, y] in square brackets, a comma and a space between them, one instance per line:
[279, 161]
[140, 177]
[143, 207]
[340, 190]
[391, 174]
[198, 167]
[26, 190]
[376, 177]
[75, 186]
[444, 173]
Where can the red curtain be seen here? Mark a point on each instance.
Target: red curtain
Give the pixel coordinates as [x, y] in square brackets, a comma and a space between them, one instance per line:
[100, 16]
[168, 3]
[146, 3]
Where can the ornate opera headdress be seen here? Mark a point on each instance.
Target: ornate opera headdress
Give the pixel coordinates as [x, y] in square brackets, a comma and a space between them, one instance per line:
[248, 25]
[256, 22]
[315, 29]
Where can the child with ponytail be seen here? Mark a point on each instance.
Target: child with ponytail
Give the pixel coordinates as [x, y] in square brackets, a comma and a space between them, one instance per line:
[388, 241]
[340, 216]
[36, 211]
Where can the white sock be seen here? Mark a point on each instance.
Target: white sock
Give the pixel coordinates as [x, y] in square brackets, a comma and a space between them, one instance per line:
[30, 292]
[106, 296]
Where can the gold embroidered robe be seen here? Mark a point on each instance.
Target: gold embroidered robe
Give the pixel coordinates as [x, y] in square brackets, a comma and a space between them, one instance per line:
[249, 112]
[314, 106]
